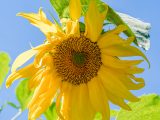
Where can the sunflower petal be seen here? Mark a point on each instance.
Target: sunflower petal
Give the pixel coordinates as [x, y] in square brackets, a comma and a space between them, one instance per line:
[75, 9]
[94, 21]
[117, 63]
[106, 41]
[117, 100]
[39, 20]
[34, 81]
[43, 94]
[22, 58]
[98, 98]
[137, 79]
[128, 82]
[108, 79]
[78, 103]
[66, 100]
[124, 51]
[25, 72]
[72, 28]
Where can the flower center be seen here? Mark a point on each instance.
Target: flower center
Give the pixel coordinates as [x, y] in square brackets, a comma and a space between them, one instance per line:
[77, 59]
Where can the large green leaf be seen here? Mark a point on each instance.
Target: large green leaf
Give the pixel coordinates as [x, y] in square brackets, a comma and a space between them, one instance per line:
[23, 94]
[139, 28]
[113, 17]
[61, 7]
[50, 113]
[148, 108]
[4, 66]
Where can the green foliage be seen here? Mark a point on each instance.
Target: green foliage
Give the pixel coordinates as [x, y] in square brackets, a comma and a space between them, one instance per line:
[98, 116]
[114, 18]
[13, 105]
[4, 66]
[23, 93]
[61, 7]
[148, 108]
[114, 113]
[50, 113]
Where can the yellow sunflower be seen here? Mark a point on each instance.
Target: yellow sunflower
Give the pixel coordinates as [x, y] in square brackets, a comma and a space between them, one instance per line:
[81, 71]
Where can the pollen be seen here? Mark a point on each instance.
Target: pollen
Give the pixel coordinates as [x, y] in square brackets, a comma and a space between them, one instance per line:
[77, 59]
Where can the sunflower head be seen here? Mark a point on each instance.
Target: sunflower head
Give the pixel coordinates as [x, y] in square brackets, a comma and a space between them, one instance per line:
[81, 70]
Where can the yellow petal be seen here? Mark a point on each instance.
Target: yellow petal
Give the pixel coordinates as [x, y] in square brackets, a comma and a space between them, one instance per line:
[117, 63]
[108, 79]
[112, 38]
[38, 59]
[75, 113]
[131, 85]
[35, 80]
[41, 53]
[136, 79]
[94, 21]
[134, 70]
[117, 100]
[124, 51]
[119, 29]
[66, 100]
[127, 81]
[22, 58]
[72, 28]
[39, 20]
[43, 94]
[83, 102]
[98, 98]
[26, 72]
[79, 101]
[75, 9]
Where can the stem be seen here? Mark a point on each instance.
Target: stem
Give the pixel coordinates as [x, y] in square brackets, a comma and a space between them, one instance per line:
[17, 115]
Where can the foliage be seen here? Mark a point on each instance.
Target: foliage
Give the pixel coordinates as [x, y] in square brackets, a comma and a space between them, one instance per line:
[23, 93]
[4, 66]
[148, 108]
[50, 113]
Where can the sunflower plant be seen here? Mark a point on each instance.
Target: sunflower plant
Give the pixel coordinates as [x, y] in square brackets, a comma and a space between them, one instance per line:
[80, 67]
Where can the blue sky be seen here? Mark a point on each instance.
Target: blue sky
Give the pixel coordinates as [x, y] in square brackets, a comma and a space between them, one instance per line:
[16, 34]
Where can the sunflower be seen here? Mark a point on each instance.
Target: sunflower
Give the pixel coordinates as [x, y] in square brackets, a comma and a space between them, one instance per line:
[80, 71]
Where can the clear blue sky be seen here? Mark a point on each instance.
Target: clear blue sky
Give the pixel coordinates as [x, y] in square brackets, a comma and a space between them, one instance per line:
[16, 33]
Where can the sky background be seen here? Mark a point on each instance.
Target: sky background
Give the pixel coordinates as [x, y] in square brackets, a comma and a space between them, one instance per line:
[16, 34]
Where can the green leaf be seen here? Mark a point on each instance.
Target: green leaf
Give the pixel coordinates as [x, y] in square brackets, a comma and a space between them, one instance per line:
[13, 105]
[114, 113]
[23, 93]
[2, 107]
[61, 7]
[98, 116]
[50, 113]
[4, 66]
[148, 108]
[139, 28]
[113, 17]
